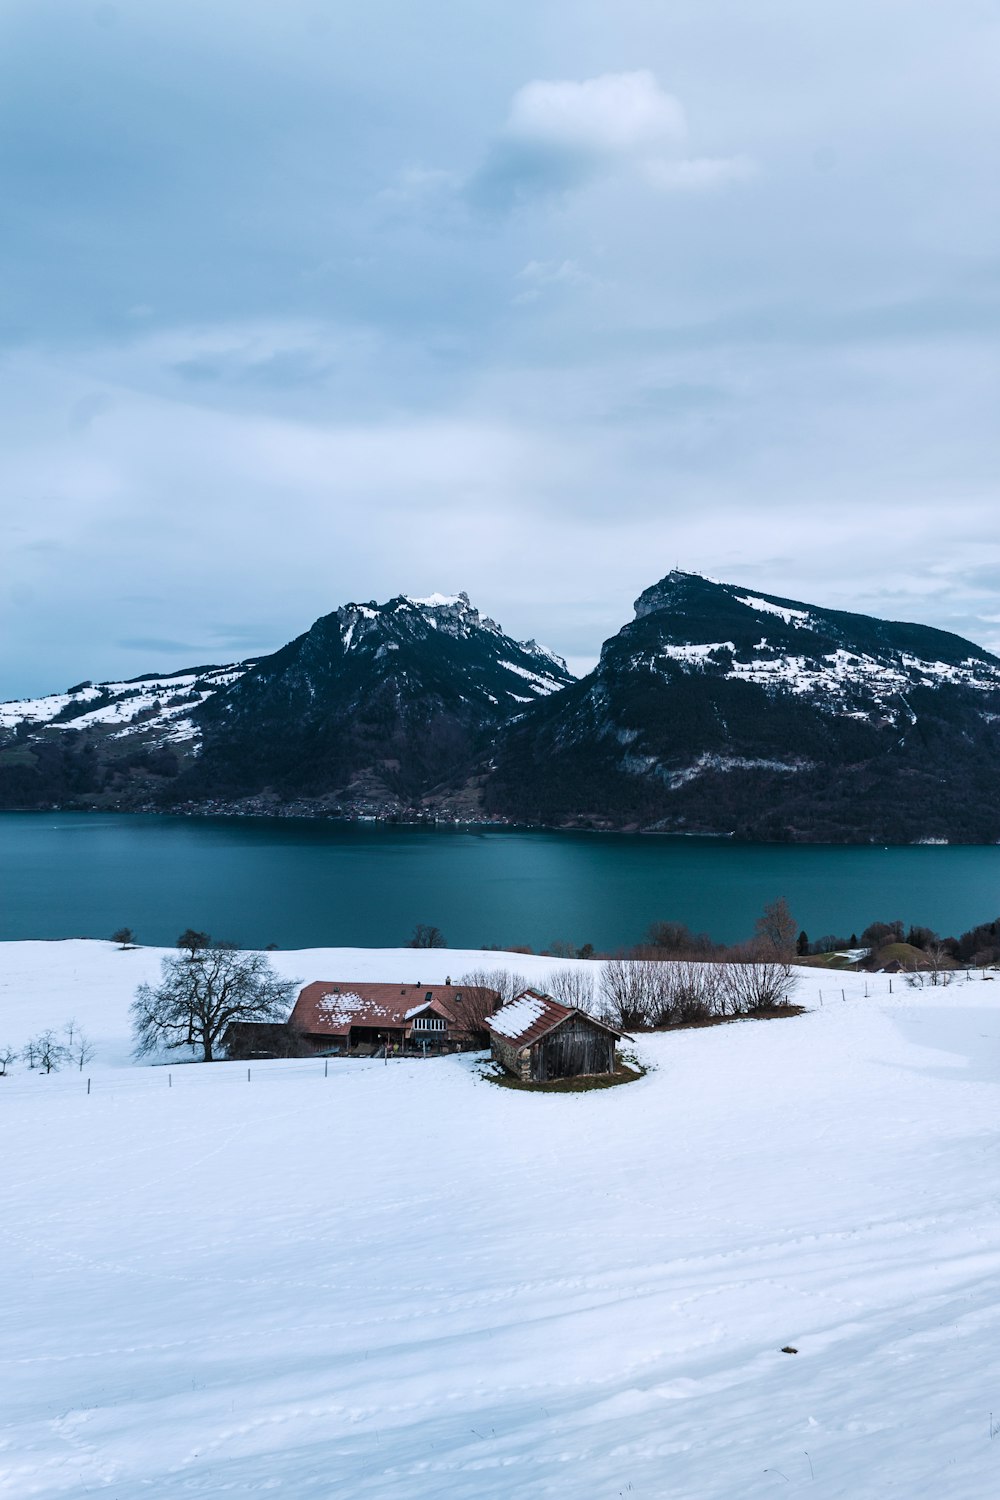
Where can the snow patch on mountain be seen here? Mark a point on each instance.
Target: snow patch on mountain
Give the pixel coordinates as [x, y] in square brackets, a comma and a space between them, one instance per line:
[831, 679]
[539, 683]
[711, 762]
[796, 617]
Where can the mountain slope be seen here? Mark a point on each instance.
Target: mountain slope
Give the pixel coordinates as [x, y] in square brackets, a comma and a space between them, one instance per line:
[722, 711]
[380, 703]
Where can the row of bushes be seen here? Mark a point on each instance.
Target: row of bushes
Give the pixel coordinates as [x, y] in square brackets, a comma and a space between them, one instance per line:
[636, 994]
[641, 993]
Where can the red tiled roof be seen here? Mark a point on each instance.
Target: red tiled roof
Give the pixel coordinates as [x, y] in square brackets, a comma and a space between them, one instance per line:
[532, 1015]
[332, 1007]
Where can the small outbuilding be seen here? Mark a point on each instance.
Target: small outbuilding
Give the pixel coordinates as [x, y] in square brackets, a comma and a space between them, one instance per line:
[537, 1039]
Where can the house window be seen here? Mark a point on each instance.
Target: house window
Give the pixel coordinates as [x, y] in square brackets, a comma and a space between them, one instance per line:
[429, 1023]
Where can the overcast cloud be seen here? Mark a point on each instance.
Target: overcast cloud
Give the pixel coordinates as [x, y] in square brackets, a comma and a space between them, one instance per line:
[307, 301]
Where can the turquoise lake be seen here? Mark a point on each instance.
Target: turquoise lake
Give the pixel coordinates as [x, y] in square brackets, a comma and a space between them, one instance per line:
[301, 883]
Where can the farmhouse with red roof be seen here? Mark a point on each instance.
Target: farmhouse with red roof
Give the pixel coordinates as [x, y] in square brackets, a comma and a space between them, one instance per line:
[343, 1016]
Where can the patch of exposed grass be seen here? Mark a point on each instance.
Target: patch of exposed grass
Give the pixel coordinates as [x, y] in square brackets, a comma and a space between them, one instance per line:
[829, 961]
[627, 1070]
[905, 954]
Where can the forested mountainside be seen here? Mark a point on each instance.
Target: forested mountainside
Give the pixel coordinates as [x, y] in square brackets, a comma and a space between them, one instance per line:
[716, 710]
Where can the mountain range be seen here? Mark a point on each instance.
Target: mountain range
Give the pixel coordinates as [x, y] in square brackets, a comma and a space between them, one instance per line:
[715, 710]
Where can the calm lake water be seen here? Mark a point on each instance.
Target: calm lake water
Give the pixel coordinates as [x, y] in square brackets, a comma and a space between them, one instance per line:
[299, 883]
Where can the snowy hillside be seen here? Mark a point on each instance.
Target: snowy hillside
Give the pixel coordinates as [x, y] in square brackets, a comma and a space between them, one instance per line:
[401, 1282]
[159, 707]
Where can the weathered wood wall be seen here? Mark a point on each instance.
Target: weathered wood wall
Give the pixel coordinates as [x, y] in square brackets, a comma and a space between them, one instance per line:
[574, 1048]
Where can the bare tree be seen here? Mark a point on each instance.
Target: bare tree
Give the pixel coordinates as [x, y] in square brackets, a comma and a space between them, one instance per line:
[561, 949]
[81, 1049]
[775, 929]
[192, 941]
[676, 940]
[573, 987]
[938, 960]
[124, 937]
[426, 936]
[48, 1051]
[7, 1056]
[196, 1000]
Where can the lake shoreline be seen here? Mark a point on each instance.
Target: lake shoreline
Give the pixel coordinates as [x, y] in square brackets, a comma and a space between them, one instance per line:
[291, 812]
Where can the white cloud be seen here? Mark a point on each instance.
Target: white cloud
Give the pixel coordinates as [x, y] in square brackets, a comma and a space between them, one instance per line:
[699, 174]
[617, 113]
[562, 134]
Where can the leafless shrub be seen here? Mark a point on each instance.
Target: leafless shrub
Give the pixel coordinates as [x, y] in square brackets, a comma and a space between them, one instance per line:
[480, 989]
[640, 992]
[756, 982]
[936, 978]
[7, 1056]
[627, 998]
[573, 987]
[507, 982]
[697, 990]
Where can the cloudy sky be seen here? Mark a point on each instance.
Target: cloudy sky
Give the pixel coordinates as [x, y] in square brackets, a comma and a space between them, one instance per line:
[306, 301]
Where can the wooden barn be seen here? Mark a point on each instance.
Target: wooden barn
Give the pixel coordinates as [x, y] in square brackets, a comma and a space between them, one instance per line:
[538, 1039]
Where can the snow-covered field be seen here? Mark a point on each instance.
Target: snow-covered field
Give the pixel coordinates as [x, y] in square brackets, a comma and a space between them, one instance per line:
[401, 1281]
